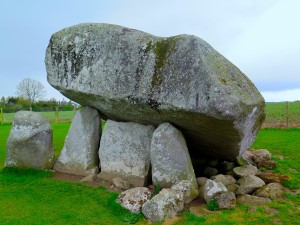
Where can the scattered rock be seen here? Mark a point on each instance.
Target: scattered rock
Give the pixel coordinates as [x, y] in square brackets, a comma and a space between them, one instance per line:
[89, 178]
[170, 159]
[133, 199]
[224, 179]
[270, 177]
[244, 160]
[251, 200]
[129, 75]
[228, 166]
[242, 171]
[272, 191]
[232, 188]
[120, 183]
[248, 184]
[269, 165]
[163, 205]
[210, 171]
[29, 143]
[125, 152]
[210, 189]
[79, 155]
[187, 189]
[226, 200]
[260, 156]
[201, 181]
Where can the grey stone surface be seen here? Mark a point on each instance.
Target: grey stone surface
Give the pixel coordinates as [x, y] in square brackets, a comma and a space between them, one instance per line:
[249, 184]
[189, 192]
[30, 143]
[167, 203]
[170, 159]
[272, 191]
[120, 183]
[125, 152]
[133, 199]
[133, 76]
[79, 155]
[251, 200]
[242, 171]
[210, 189]
[226, 200]
[224, 179]
[201, 181]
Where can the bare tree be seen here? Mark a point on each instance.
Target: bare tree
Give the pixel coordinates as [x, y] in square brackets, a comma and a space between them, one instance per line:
[31, 89]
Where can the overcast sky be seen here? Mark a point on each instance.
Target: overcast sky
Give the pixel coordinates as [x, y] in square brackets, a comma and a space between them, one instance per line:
[261, 37]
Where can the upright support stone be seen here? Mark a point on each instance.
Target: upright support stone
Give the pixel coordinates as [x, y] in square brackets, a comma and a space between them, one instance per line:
[170, 158]
[125, 152]
[80, 153]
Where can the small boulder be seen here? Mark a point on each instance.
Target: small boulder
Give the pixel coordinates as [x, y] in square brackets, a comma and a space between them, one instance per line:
[210, 171]
[232, 188]
[269, 165]
[272, 191]
[120, 183]
[244, 160]
[30, 143]
[260, 156]
[167, 203]
[248, 184]
[226, 200]
[246, 199]
[201, 181]
[270, 177]
[242, 171]
[79, 155]
[228, 166]
[133, 199]
[224, 179]
[170, 159]
[210, 189]
[186, 187]
[125, 152]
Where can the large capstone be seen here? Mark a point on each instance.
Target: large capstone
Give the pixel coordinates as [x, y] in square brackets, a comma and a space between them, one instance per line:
[30, 142]
[129, 75]
[125, 152]
[79, 155]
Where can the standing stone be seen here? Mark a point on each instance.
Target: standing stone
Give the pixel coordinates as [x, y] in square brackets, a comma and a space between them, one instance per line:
[30, 142]
[129, 75]
[125, 152]
[170, 158]
[167, 203]
[79, 155]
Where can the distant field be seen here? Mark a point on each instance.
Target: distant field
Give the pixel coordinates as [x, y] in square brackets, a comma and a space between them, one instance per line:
[62, 116]
[275, 115]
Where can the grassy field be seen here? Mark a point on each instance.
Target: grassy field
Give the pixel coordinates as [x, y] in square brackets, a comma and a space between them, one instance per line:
[276, 112]
[34, 197]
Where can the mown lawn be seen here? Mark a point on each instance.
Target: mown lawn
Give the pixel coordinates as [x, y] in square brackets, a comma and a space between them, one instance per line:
[34, 197]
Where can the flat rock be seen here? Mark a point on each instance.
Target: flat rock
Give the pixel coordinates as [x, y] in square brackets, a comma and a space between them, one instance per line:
[129, 75]
[125, 152]
[170, 159]
[189, 192]
[30, 142]
[133, 199]
[79, 155]
[249, 184]
[269, 176]
[271, 191]
[246, 199]
[167, 203]
[242, 171]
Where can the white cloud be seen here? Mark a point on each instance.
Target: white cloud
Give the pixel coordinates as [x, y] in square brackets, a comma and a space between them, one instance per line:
[280, 96]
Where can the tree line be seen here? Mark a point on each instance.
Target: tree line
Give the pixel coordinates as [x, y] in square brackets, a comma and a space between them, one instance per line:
[29, 96]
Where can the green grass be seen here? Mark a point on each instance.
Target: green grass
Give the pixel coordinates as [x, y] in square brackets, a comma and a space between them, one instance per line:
[276, 111]
[34, 197]
[62, 116]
